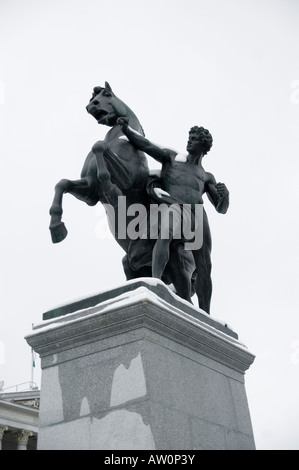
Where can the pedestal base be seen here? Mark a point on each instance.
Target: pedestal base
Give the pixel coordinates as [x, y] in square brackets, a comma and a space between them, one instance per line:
[138, 372]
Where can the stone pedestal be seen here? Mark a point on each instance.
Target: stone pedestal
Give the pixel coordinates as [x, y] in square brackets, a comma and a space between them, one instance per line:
[138, 368]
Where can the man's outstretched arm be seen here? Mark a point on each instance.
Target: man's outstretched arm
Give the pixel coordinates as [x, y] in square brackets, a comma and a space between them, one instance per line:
[158, 153]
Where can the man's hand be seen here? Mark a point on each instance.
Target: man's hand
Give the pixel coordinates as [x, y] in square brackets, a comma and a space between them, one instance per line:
[123, 122]
[222, 190]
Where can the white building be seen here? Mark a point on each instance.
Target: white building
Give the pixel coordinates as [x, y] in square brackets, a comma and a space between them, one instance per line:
[19, 413]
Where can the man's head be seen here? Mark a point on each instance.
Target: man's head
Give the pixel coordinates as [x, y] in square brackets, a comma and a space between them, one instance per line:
[200, 140]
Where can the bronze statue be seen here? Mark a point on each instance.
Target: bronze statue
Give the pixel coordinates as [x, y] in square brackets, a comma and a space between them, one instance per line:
[116, 174]
[185, 180]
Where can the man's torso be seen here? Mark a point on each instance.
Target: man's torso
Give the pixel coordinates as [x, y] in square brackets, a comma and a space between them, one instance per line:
[184, 181]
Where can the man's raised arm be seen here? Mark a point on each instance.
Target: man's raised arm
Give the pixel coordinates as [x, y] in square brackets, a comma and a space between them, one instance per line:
[144, 144]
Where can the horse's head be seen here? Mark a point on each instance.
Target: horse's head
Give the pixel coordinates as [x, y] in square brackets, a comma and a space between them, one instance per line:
[105, 107]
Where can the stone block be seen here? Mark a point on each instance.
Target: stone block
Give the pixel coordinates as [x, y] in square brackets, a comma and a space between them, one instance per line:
[136, 371]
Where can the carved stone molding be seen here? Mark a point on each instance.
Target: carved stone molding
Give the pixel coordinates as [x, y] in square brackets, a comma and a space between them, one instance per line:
[22, 436]
[2, 430]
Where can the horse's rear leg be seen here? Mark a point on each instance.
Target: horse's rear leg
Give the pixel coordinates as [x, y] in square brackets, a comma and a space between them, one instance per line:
[82, 189]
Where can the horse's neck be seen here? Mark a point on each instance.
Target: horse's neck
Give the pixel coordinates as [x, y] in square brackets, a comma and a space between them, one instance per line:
[135, 124]
[116, 131]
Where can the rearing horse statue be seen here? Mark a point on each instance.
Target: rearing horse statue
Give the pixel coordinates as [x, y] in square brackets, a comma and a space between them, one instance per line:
[114, 167]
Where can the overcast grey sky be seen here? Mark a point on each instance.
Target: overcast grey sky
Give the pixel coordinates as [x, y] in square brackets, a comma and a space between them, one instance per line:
[229, 65]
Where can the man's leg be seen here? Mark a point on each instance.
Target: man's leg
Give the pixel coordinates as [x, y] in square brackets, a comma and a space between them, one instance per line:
[160, 257]
[203, 264]
[170, 226]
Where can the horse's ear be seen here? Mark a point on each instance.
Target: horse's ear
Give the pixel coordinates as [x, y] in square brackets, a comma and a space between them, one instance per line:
[108, 87]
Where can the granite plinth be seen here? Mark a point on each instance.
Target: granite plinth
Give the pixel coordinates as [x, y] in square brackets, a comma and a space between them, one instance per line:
[138, 372]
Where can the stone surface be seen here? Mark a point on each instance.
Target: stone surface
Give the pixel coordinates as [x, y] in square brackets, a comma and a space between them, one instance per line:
[154, 285]
[136, 372]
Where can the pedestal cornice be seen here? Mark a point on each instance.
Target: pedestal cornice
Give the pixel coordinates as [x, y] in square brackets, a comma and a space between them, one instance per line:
[141, 311]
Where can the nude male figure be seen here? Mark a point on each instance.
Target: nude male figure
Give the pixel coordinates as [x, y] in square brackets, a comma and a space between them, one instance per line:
[185, 180]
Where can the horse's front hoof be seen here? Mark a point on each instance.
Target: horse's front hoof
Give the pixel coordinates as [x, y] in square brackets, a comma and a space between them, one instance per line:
[58, 232]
